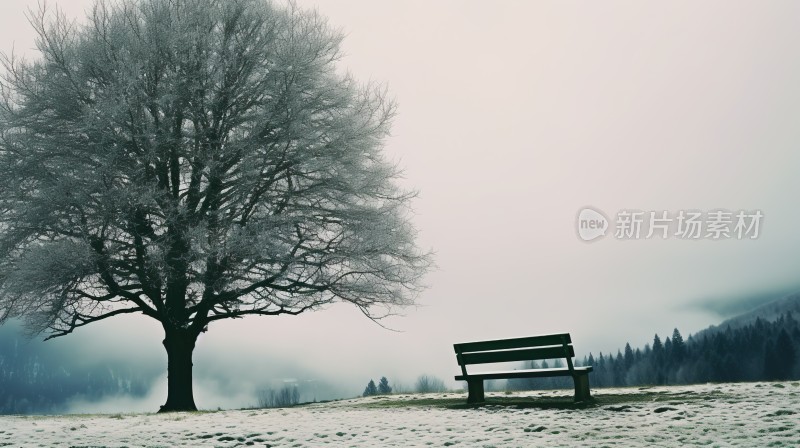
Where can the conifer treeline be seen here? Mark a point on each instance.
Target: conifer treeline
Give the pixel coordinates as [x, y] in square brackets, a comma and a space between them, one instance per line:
[760, 351]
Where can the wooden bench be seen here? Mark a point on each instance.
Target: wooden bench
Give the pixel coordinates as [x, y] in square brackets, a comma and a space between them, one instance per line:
[532, 348]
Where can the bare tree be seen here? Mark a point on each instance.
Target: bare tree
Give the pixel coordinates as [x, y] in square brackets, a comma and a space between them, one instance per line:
[286, 396]
[427, 384]
[192, 161]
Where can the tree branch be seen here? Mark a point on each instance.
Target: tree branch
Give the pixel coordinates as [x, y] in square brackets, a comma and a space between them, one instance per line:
[79, 321]
[259, 312]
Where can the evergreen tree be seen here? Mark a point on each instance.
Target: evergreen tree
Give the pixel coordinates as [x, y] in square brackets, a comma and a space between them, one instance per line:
[678, 347]
[371, 389]
[600, 371]
[619, 370]
[629, 357]
[383, 386]
[658, 347]
[657, 361]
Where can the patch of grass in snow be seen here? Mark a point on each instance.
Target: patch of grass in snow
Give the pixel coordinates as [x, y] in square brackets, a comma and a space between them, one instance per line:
[781, 412]
[460, 403]
[617, 402]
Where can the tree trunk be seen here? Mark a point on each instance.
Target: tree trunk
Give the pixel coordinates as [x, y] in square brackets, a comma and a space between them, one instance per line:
[179, 345]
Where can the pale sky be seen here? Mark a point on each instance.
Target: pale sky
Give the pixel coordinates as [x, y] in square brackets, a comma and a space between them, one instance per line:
[514, 115]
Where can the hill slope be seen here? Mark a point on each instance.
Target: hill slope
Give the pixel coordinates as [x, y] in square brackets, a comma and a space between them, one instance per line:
[768, 312]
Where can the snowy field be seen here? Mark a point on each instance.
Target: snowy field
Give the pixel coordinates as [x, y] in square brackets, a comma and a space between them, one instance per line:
[744, 415]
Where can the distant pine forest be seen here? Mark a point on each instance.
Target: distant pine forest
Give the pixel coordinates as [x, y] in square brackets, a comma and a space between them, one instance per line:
[35, 379]
[759, 351]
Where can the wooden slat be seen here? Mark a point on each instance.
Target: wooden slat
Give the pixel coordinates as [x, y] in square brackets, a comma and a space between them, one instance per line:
[505, 344]
[527, 354]
[533, 373]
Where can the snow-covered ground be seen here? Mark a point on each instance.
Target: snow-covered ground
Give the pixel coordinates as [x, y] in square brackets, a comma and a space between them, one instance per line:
[745, 415]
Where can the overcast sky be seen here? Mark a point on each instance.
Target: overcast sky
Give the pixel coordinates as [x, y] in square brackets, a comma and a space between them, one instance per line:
[513, 116]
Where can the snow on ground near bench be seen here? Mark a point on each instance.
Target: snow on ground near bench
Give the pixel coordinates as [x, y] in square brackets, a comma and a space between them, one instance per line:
[746, 415]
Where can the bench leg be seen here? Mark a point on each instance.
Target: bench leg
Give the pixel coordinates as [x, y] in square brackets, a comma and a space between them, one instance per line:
[475, 388]
[582, 387]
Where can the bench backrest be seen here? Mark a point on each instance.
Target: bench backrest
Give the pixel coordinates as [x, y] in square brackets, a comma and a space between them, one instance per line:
[518, 349]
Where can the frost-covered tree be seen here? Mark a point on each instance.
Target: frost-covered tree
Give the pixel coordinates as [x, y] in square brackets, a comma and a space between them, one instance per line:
[192, 161]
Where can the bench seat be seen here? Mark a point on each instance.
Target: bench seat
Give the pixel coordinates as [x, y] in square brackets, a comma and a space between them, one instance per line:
[527, 373]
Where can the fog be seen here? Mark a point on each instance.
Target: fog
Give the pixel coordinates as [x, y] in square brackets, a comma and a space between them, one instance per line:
[512, 117]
